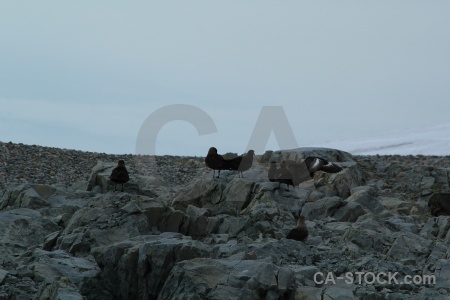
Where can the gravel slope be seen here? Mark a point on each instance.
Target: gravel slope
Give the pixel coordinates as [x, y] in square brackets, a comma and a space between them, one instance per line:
[21, 163]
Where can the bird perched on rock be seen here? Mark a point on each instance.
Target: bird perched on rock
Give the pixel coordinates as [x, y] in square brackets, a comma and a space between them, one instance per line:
[300, 232]
[306, 169]
[215, 161]
[281, 175]
[439, 204]
[242, 163]
[119, 174]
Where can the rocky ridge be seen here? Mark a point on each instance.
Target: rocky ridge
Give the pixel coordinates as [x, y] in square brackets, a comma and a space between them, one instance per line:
[176, 233]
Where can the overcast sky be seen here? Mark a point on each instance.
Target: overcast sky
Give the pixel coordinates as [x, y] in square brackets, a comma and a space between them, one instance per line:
[86, 75]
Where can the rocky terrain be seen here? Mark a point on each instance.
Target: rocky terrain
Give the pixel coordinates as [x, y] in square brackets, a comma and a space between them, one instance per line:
[177, 233]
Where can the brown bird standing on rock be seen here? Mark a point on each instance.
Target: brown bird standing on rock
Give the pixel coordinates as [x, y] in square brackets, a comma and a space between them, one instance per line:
[119, 174]
[299, 233]
[215, 161]
[242, 163]
[305, 170]
[281, 175]
[439, 204]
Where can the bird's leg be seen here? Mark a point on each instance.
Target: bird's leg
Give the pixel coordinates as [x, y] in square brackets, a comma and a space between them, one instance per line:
[114, 187]
[122, 187]
[218, 175]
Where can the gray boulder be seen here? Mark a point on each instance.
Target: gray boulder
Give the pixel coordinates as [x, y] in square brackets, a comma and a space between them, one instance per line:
[61, 288]
[403, 224]
[202, 278]
[368, 235]
[308, 293]
[366, 196]
[137, 268]
[338, 184]
[21, 229]
[299, 154]
[322, 208]
[149, 185]
[350, 212]
[392, 204]
[3, 274]
[105, 221]
[409, 248]
[201, 193]
[443, 274]
[237, 196]
[22, 196]
[48, 266]
[339, 293]
[198, 221]
[436, 227]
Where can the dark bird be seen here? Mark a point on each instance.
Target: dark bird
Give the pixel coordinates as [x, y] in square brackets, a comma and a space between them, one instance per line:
[242, 163]
[281, 175]
[315, 164]
[299, 233]
[215, 161]
[119, 174]
[439, 204]
[306, 169]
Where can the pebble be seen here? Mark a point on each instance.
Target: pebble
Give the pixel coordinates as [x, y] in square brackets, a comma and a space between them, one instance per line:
[21, 163]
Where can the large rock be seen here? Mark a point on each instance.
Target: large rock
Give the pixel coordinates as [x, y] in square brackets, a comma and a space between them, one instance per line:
[201, 193]
[394, 203]
[48, 266]
[22, 196]
[338, 293]
[436, 227]
[237, 195]
[366, 196]
[350, 212]
[219, 196]
[308, 293]
[368, 235]
[198, 221]
[299, 154]
[409, 247]
[53, 202]
[322, 208]
[228, 279]
[338, 184]
[99, 174]
[114, 217]
[233, 225]
[22, 228]
[61, 288]
[371, 216]
[148, 185]
[443, 274]
[3, 274]
[137, 268]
